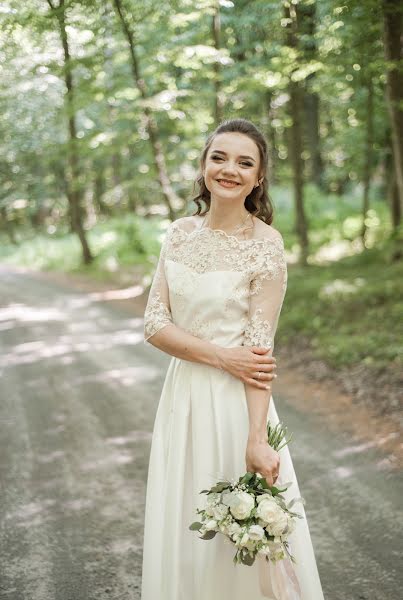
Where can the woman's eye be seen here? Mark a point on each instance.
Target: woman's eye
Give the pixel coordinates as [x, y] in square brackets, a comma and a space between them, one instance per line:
[248, 164]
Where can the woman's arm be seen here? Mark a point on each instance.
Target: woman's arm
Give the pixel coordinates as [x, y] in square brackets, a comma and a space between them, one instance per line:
[241, 362]
[267, 295]
[161, 332]
[180, 343]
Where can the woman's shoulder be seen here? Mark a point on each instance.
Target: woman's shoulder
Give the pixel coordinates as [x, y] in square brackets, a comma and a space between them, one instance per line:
[187, 224]
[263, 231]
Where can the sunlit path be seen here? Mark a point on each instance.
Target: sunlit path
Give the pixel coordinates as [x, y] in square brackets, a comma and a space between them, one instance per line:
[79, 391]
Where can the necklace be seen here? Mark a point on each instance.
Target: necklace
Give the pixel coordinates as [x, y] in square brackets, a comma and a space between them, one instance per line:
[234, 231]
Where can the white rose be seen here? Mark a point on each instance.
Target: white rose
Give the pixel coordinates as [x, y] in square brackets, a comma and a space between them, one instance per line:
[241, 504]
[220, 511]
[268, 510]
[264, 550]
[244, 539]
[210, 525]
[226, 498]
[234, 529]
[213, 499]
[278, 527]
[256, 532]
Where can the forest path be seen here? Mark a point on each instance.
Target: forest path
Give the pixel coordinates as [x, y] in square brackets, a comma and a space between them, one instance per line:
[79, 392]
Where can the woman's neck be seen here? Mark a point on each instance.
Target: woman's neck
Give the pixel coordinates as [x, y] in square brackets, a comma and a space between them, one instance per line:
[226, 219]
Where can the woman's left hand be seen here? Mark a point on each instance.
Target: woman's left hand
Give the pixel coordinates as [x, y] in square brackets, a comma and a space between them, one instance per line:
[262, 458]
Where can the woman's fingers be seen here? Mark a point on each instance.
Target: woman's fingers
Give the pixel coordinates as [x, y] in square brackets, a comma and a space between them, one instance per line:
[262, 376]
[261, 385]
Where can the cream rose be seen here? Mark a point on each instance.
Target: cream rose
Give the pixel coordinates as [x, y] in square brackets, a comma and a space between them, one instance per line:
[278, 527]
[256, 532]
[268, 510]
[211, 525]
[219, 512]
[234, 529]
[241, 504]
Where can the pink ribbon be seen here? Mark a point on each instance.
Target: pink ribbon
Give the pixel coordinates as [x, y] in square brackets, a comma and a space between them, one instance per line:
[278, 580]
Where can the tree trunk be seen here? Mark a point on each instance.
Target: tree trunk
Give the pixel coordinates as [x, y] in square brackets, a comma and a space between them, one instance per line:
[368, 157]
[73, 178]
[271, 139]
[7, 225]
[99, 188]
[170, 197]
[295, 139]
[218, 97]
[307, 26]
[315, 163]
[393, 31]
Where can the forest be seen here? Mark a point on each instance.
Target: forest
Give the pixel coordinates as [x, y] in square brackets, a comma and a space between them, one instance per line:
[104, 110]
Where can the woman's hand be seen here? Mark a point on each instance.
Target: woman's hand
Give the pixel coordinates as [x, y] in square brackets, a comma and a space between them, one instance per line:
[253, 365]
[262, 458]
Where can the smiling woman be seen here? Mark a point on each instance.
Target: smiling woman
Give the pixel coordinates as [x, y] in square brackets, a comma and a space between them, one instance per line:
[214, 306]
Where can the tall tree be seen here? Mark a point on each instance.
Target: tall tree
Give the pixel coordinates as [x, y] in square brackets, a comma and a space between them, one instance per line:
[307, 26]
[393, 33]
[295, 133]
[73, 176]
[168, 193]
[218, 96]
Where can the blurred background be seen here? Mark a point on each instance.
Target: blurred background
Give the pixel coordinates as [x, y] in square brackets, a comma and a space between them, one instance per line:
[105, 106]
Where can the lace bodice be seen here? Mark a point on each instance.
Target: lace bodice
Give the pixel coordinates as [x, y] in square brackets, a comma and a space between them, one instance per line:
[217, 286]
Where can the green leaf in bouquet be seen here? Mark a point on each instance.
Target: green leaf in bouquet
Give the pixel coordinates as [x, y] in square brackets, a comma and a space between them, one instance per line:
[247, 477]
[195, 526]
[220, 487]
[287, 550]
[208, 535]
[294, 500]
[247, 559]
[275, 490]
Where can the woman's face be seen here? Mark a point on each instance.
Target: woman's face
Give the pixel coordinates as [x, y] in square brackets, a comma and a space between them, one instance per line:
[232, 157]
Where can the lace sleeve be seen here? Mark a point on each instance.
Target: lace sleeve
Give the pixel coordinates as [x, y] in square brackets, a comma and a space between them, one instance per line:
[158, 312]
[267, 291]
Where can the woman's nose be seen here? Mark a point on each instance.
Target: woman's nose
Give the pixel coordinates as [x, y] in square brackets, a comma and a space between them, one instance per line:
[229, 167]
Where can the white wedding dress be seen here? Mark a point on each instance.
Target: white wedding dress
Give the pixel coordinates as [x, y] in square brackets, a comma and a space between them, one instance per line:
[229, 291]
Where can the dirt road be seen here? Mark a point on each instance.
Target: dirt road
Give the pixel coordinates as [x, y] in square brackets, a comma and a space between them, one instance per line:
[79, 391]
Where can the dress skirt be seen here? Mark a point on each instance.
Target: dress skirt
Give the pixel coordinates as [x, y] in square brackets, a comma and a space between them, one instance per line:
[200, 436]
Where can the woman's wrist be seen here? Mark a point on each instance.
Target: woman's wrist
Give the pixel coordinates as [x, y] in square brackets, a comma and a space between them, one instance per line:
[219, 359]
[257, 436]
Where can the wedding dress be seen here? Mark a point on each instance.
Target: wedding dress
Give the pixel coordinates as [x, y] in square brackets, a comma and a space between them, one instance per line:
[229, 291]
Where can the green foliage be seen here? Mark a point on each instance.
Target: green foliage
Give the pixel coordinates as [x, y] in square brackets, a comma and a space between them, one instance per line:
[117, 243]
[355, 312]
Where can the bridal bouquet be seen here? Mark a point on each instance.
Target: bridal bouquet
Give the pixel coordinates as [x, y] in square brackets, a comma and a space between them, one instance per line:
[252, 515]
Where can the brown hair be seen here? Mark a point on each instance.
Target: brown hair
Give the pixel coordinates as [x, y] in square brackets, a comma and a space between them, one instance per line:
[258, 202]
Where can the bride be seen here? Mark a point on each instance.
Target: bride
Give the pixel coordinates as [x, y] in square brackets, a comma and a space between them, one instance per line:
[214, 306]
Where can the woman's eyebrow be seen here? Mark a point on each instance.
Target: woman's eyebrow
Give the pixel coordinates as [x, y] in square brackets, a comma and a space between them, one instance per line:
[240, 156]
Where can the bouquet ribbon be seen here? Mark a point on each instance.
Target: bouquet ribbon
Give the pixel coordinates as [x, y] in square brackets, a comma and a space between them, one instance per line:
[278, 580]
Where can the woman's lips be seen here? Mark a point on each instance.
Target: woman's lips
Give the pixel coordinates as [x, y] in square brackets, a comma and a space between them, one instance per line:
[227, 184]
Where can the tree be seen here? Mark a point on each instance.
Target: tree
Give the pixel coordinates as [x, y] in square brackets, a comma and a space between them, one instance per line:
[73, 191]
[393, 33]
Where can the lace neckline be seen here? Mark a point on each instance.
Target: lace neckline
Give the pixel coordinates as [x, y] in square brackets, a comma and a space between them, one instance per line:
[221, 233]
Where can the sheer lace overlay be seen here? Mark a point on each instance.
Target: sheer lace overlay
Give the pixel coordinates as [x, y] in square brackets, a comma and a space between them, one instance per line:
[217, 286]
